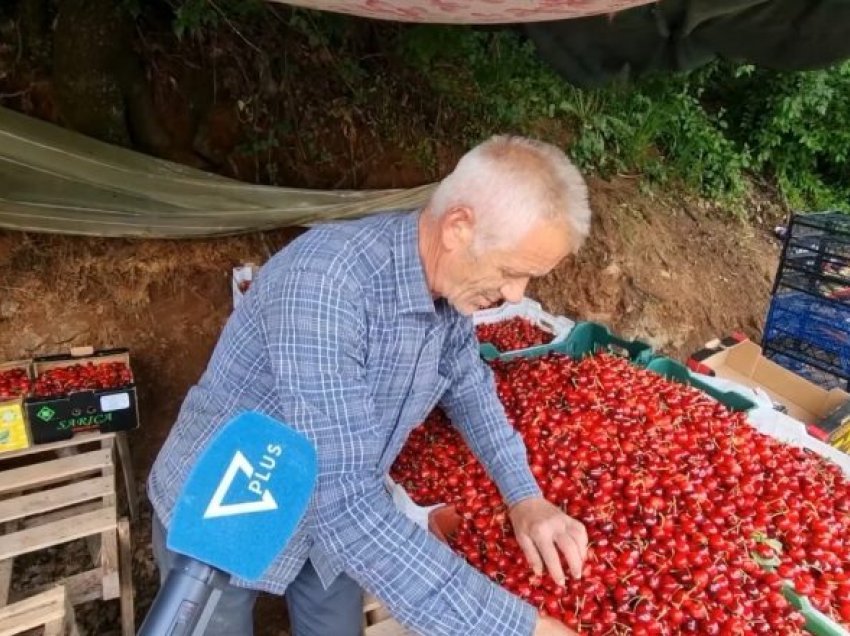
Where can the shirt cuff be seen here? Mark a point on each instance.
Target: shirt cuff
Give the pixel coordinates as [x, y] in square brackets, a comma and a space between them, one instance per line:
[517, 485]
[510, 615]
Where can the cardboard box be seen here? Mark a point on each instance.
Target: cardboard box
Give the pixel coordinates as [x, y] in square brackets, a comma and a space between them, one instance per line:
[744, 363]
[106, 410]
[14, 432]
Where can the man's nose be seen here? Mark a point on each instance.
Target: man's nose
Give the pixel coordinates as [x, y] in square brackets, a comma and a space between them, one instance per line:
[514, 290]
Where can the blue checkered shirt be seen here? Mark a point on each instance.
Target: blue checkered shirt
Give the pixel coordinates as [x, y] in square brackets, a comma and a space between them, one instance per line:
[339, 337]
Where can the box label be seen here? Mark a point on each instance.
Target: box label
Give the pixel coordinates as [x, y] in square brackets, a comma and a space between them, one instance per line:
[84, 422]
[13, 431]
[115, 402]
[56, 419]
[45, 413]
[840, 438]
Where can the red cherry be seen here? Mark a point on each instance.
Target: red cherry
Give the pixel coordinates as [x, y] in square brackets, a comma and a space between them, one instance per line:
[673, 489]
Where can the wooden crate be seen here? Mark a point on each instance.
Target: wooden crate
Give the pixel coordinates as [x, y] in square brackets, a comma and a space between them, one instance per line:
[53, 500]
[51, 610]
[13, 426]
[82, 441]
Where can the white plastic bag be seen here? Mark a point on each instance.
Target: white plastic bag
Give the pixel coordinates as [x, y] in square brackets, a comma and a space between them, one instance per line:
[417, 514]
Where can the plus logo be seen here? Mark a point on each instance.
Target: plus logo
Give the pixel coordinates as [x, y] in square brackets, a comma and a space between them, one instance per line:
[260, 498]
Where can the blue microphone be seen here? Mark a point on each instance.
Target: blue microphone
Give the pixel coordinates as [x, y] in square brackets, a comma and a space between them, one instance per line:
[238, 510]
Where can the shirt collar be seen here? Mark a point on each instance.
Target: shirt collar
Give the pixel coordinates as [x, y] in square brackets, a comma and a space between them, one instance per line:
[411, 287]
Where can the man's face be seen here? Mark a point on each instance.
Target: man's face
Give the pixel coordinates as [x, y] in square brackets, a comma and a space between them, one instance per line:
[475, 279]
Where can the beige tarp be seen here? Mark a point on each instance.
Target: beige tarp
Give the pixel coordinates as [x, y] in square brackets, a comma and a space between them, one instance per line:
[470, 11]
[55, 180]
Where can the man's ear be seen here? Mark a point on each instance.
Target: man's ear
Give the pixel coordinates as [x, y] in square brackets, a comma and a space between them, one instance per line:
[457, 228]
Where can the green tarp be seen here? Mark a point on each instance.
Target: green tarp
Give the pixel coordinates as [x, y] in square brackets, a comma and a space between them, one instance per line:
[679, 35]
[55, 180]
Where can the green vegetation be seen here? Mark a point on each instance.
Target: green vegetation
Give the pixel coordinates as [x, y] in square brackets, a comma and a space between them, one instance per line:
[711, 130]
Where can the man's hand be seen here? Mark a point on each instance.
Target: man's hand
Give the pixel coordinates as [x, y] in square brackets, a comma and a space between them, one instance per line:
[547, 626]
[542, 530]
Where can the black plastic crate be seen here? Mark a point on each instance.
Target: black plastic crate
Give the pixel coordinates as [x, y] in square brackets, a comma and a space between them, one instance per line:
[811, 331]
[816, 256]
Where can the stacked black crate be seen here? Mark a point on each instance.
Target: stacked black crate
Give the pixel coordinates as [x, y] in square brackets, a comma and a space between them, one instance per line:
[808, 323]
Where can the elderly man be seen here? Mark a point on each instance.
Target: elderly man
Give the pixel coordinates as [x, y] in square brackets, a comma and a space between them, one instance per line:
[352, 334]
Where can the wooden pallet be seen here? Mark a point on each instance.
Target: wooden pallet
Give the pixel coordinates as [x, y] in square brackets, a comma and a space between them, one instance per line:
[81, 441]
[53, 500]
[51, 610]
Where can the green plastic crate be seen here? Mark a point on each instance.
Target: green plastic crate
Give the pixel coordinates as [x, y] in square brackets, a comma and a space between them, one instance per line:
[676, 371]
[585, 339]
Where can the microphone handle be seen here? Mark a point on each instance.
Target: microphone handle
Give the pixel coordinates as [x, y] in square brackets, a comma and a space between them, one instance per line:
[180, 603]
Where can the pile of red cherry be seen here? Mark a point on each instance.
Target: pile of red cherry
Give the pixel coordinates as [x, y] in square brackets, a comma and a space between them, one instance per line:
[78, 377]
[14, 383]
[513, 334]
[694, 518]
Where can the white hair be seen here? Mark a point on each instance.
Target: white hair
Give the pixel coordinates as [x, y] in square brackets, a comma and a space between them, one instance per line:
[511, 183]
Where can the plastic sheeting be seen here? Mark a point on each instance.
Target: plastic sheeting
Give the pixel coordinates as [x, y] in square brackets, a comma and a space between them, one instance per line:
[55, 180]
[679, 35]
[470, 11]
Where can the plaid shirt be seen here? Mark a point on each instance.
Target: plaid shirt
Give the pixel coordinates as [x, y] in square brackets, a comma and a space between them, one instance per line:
[340, 338]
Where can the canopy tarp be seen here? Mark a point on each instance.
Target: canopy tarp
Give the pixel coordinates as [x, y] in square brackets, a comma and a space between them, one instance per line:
[679, 35]
[470, 11]
[56, 180]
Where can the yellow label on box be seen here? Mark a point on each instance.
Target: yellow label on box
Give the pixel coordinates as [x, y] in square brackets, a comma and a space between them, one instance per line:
[13, 430]
[840, 438]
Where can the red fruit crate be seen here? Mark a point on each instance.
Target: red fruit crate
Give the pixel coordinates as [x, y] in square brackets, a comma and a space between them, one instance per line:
[14, 385]
[106, 401]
